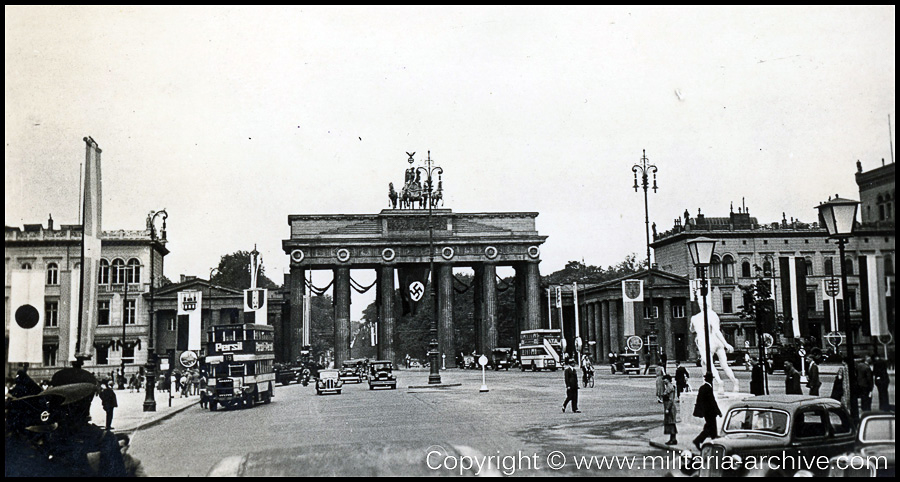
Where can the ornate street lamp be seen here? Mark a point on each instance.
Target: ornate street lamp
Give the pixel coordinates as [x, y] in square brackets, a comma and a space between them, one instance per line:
[152, 361]
[701, 250]
[428, 171]
[839, 216]
[645, 170]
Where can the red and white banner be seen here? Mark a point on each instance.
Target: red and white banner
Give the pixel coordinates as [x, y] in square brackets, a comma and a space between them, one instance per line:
[26, 307]
[255, 301]
[92, 214]
[632, 292]
[189, 304]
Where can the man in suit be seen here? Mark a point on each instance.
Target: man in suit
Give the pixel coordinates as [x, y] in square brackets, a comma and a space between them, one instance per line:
[708, 409]
[882, 381]
[812, 374]
[791, 380]
[571, 387]
[865, 383]
[681, 376]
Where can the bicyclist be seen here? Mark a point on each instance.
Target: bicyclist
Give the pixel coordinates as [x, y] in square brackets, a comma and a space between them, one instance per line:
[587, 368]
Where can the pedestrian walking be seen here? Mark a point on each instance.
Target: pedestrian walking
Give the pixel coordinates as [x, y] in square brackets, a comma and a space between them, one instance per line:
[108, 398]
[669, 410]
[195, 383]
[681, 379]
[791, 380]
[708, 409]
[660, 385]
[883, 382]
[812, 373]
[757, 379]
[865, 382]
[571, 376]
[204, 396]
[840, 391]
[664, 361]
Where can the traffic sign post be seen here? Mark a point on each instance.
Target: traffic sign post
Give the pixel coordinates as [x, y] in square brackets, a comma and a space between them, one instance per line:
[885, 340]
[483, 361]
[802, 353]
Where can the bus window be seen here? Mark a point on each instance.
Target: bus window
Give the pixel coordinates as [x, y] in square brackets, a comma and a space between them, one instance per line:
[236, 370]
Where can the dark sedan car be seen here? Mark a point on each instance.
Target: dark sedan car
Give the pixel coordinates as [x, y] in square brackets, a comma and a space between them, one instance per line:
[875, 453]
[779, 435]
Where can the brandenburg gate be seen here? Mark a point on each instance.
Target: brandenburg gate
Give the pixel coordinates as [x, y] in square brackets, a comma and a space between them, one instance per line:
[399, 238]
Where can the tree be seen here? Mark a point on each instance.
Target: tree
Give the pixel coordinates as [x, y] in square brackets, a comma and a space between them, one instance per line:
[234, 271]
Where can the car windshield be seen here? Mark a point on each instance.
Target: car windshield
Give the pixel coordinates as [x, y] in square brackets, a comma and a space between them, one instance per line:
[878, 429]
[774, 422]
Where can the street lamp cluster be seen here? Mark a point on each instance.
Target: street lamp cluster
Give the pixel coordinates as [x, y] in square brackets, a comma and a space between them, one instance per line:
[152, 361]
[645, 170]
[428, 171]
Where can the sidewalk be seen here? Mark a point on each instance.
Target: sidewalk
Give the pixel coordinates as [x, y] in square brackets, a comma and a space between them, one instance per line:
[130, 416]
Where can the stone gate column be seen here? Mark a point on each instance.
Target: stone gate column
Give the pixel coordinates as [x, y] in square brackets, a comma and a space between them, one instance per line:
[446, 332]
[532, 296]
[295, 324]
[614, 328]
[589, 324]
[386, 313]
[478, 309]
[604, 327]
[341, 315]
[489, 320]
[521, 308]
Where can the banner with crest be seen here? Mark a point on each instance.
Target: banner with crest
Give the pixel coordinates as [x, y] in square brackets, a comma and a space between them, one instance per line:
[189, 306]
[632, 292]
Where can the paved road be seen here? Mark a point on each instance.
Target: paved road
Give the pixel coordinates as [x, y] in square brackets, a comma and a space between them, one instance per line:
[390, 432]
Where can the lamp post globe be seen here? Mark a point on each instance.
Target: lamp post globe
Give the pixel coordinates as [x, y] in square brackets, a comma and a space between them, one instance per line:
[701, 250]
[839, 215]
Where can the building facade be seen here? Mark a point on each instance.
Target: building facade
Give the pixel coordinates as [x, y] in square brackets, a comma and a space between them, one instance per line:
[123, 278]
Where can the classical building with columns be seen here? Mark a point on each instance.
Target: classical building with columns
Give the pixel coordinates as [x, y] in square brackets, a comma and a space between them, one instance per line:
[396, 239]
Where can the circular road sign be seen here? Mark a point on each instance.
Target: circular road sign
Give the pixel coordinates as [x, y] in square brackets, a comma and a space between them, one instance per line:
[482, 360]
[885, 339]
[768, 340]
[188, 359]
[634, 343]
[835, 338]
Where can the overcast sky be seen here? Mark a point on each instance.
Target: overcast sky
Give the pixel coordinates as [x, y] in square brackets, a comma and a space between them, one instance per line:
[234, 118]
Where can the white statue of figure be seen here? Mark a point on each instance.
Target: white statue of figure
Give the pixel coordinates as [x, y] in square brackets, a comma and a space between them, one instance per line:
[717, 344]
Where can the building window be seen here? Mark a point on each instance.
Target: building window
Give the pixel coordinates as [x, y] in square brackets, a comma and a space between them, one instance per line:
[728, 268]
[811, 300]
[52, 274]
[51, 313]
[889, 265]
[727, 303]
[829, 267]
[809, 267]
[767, 268]
[118, 272]
[103, 275]
[647, 312]
[851, 298]
[26, 266]
[715, 270]
[171, 324]
[848, 266]
[103, 312]
[678, 311]
[128, 354]
[130, 312]
[745, 270]
[49, 356]
[134, 271]
[102, 355]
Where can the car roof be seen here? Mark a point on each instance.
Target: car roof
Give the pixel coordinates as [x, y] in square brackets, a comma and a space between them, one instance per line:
[784, 402]
[381, 361]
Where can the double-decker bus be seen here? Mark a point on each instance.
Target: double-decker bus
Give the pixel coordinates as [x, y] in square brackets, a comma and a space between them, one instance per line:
[241, 363]
[539, 349]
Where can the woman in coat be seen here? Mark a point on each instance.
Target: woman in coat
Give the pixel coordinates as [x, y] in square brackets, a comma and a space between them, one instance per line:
[669, 407]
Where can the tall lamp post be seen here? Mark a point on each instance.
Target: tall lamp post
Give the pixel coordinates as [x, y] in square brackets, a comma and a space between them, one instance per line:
[701, 250]
[645, 170]
[128, 275]
[839, 216]
[152, 361]
[428, 170]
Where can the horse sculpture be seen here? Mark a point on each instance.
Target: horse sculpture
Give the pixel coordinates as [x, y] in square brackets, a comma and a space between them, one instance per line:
[412, 191]
[717, 345]
[392, 196]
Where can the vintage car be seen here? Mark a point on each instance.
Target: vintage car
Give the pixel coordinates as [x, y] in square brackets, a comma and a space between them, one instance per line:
[626, 362]
[469, 362]
[501, 358]
[778, 435]
[285, 373]
[328, 382]
[381, 374]
[874, 454]
[354, 370]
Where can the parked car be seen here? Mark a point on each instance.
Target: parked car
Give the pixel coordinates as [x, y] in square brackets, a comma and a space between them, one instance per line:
[328, 382]
[381, 374]
[626, 362]
[874, 454]
[502, 358]
[469, 362]
[774, 427]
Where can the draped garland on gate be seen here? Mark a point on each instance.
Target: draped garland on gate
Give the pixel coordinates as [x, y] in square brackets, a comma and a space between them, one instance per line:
[318, 291]
[465, 286]
[501, 281]
[360, 288]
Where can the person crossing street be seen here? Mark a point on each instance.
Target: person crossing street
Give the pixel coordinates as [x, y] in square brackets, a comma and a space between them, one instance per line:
[571, 376]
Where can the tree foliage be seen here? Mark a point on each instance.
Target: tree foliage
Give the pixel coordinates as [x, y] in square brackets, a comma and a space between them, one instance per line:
[582, 273]
[234, 271]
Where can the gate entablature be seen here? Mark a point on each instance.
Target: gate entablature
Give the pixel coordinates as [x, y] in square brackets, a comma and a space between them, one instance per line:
[401, 237]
